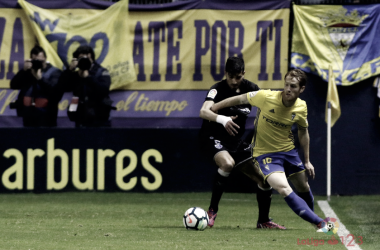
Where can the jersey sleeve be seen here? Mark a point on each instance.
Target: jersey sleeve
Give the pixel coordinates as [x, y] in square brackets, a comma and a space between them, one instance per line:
[213, 92]
[302, 121]
[211, 95]
[258, 99]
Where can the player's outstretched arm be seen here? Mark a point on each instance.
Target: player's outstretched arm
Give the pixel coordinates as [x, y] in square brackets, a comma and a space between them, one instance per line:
[229, 102]
[303, 135]
[206, 112]
[227, 122]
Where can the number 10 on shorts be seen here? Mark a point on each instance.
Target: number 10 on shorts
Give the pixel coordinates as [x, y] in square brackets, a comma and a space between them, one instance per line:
[267, 160]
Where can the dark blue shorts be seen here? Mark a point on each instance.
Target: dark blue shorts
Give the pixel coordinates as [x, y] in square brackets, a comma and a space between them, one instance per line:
[284, 162]
[238, 149]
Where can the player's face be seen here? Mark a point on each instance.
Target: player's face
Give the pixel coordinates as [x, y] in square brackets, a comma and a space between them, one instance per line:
[234, 80]
[292, 89]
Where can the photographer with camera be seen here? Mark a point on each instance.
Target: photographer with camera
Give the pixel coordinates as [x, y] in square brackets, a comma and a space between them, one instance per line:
[37, 102]
[90, 83]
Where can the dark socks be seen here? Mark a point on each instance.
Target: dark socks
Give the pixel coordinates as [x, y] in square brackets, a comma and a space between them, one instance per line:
[308, 198]
[300, 207]
[217, 191]
[264, 198]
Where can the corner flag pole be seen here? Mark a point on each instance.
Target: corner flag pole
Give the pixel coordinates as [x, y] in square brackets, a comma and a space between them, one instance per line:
[328, 151]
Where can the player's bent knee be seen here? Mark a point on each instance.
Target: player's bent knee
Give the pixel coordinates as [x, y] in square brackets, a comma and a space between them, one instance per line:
[227, 167]
[283, 190]
[225, 162]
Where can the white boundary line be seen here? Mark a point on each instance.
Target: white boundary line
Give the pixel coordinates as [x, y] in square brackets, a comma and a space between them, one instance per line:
[342, 231]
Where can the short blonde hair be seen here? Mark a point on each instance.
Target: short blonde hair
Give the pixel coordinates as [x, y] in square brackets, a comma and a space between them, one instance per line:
[299, 75]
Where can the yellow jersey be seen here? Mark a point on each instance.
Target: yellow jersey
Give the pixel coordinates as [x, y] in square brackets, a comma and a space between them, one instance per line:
[274, 122]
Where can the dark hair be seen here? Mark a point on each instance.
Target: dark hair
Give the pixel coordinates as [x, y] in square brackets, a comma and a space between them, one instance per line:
[84, 49]
[36, 50]
[234, 65]
[299, 75]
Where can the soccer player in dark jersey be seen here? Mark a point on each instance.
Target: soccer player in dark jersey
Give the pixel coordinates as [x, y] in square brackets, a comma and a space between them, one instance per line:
[224, 142]
[273, 142]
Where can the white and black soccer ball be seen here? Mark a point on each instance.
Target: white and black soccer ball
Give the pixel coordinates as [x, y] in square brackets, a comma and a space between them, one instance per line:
[330, 226]
[195, 218]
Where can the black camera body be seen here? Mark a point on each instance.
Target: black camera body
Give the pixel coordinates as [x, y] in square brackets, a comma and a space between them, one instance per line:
[17, 105]
[84, 63]
[14, 105]
[36, 64]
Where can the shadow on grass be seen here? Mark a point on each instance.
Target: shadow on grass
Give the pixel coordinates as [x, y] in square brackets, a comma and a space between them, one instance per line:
[229, 228]
[162, 227]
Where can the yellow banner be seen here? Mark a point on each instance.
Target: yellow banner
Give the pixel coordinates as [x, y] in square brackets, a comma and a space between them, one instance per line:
[16, 41]
[105, 31]
[190, 53]
[170, 49]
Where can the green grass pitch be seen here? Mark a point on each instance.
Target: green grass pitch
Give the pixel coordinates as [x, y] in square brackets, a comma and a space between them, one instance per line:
[90, 220]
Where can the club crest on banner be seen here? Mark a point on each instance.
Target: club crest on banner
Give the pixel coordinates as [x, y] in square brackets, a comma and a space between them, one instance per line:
[343, 36]
[342, 27]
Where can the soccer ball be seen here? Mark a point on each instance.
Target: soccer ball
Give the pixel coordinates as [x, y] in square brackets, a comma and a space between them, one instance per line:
[195, 218]
[330, 226]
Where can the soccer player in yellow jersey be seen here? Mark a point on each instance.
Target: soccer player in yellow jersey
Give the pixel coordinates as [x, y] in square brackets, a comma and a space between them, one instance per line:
[228, 150]
[273, 142]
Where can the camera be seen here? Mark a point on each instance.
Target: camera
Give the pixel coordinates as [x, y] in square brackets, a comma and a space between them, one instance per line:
[84, 63]
[17, 105]
[36, 64]
[14, 105]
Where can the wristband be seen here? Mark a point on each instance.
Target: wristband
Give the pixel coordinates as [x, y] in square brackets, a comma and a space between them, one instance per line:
[223, 119]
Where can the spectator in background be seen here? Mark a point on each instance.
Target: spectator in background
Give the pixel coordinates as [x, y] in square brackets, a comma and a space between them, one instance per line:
[37, 102]
[90, 83]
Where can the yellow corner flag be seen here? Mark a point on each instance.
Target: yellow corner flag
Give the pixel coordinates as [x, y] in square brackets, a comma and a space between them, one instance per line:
[333, 98]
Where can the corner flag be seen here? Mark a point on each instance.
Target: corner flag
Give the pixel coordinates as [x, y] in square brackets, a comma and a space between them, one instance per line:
[332, 98]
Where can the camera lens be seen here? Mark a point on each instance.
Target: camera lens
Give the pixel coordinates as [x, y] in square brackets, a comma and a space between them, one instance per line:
[84, 63]
[36, 64]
